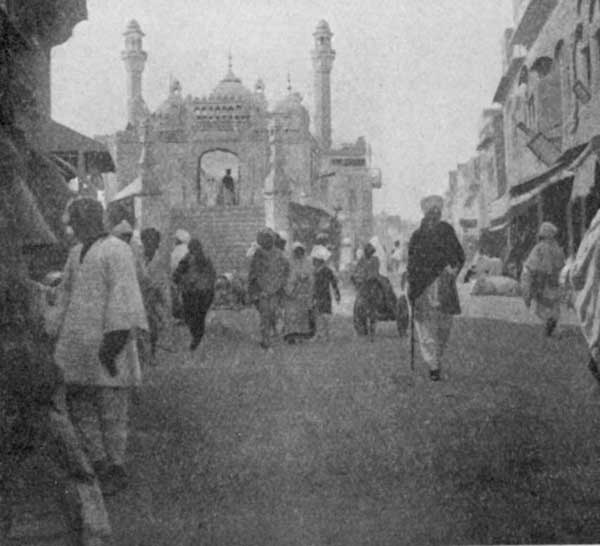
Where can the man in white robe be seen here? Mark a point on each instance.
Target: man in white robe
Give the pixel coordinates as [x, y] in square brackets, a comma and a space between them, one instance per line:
[96, 348]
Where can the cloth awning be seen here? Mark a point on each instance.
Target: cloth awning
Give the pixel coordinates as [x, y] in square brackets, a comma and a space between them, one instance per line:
[584, 177]
[56, 138]
[498, 224]
[532, 183]
[531, 20]
[131, 190]
[522, 194]
[498, 227]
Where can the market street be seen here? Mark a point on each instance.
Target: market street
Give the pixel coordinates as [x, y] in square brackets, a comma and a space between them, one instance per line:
[340, 443]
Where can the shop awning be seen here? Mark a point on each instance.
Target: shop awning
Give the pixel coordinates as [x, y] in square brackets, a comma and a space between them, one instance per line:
[131, 190]
[584, 177]
[531, 20]
[58, 139]
[498, 224]
[526, 191]
[584, 169]
[534, 184]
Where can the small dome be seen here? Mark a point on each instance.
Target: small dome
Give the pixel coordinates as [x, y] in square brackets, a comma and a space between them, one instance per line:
[290, 104]
[230, 87]
[174, 102]
[323, 27]
[133, 27]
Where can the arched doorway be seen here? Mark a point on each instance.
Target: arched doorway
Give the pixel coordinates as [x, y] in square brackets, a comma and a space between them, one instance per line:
[218, 180]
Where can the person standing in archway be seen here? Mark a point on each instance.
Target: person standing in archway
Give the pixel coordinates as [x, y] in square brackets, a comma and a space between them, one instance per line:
[228, 188]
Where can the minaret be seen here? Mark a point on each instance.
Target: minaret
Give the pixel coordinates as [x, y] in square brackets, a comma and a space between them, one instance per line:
[135, 58]
[323, 56]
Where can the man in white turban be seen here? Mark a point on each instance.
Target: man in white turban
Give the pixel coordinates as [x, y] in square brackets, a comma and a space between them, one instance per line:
[123, 231]
[435, 257]
[380, 254]
[182, 238]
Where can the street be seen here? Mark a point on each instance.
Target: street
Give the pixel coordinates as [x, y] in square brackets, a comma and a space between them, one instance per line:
[339, 443]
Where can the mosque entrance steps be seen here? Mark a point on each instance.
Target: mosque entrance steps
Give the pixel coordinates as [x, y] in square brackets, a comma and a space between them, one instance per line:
[225, 232]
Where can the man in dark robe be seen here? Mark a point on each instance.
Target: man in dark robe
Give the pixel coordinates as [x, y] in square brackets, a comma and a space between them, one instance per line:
[228, 188]
[435, 257]
[269, 270]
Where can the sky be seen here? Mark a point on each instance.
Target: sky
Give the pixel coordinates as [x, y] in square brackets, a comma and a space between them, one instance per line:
[411, 76]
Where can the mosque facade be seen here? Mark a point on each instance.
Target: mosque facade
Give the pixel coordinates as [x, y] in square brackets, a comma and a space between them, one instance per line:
[225, 165]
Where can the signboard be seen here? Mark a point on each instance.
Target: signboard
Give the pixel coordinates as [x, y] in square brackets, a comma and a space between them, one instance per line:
[581, 92]
[544, 149]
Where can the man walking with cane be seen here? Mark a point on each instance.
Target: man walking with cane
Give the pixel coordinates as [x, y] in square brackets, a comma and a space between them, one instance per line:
[435, 257]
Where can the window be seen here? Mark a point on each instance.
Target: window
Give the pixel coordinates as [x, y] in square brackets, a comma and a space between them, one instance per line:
[531, 121]
[352, 200]
[586, 61]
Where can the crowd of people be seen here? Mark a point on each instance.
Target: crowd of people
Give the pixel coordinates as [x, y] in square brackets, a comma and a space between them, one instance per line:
[292, 294]
[115, 299]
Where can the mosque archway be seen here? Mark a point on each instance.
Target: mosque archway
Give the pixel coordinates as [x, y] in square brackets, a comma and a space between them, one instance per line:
[218, 178]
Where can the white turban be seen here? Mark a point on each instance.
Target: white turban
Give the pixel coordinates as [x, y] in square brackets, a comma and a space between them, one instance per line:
[183, 236]
[298, 244]
[432, 201]
[284, 235]
[547, 230]
[320, 253]
[122, 228]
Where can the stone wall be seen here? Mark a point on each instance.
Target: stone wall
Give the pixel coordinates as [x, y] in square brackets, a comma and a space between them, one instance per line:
[225, 232]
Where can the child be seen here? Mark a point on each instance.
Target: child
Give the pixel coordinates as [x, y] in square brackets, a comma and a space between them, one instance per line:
[324, 278]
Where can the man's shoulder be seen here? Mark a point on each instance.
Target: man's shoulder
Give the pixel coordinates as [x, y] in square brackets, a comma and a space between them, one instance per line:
[446, 226]
[113, 247]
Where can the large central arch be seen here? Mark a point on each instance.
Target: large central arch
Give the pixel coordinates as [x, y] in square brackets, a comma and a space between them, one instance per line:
[214, 165]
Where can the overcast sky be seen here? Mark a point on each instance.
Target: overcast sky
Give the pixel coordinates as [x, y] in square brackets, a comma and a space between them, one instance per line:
[411, 76]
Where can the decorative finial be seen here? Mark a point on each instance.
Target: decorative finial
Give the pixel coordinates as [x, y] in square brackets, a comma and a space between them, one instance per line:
[289, 81]
[230, 63]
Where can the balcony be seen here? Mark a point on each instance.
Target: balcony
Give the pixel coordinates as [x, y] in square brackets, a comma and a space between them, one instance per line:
[530, 18]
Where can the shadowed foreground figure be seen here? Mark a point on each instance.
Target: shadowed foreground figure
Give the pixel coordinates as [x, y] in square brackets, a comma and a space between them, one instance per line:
[196, 277]
[102, 309]
[584, 276]
[434, 259]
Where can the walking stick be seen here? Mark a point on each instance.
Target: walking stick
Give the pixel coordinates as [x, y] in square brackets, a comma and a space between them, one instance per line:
[412, 339]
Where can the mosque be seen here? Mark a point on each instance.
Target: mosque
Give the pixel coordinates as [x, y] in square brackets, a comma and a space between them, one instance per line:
[226, 165]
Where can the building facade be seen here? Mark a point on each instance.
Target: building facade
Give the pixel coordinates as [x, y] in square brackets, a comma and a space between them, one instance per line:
[549, 95]
[227, 164]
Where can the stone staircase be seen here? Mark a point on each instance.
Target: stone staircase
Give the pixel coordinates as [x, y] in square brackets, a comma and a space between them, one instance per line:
[225, 232]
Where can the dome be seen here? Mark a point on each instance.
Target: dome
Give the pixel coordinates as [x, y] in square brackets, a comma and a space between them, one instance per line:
[323, 27]
[133, 27]
[230, 87]
[290, 105]
[173, 102]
